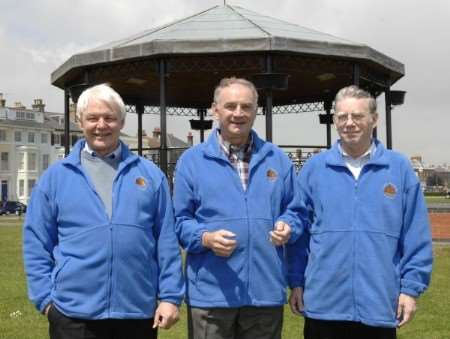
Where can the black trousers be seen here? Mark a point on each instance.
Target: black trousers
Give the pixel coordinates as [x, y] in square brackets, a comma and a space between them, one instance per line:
[325, 329]
[62, 327]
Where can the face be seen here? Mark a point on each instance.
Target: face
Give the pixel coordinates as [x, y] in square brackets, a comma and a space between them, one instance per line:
[235, 110]
[101, 127]
[354, 125]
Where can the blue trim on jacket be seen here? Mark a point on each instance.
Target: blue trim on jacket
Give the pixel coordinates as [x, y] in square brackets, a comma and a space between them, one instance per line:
[91, 266]
[369, 238]
[208, 196]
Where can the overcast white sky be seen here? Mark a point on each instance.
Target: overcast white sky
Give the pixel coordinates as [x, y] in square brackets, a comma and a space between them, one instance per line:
[37, 36]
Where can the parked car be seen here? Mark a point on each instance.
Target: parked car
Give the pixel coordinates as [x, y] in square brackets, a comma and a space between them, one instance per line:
[12, 207]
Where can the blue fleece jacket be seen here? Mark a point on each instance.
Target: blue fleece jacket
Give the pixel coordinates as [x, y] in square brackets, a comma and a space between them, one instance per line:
[91, 266]
[369, 238]
[208, 196]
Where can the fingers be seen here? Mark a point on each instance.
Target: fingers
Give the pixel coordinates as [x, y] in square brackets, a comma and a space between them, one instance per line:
[156, 319]
[166, 315]
[406, 309]
[221, 242]
[296, 300]
[293, 304]
[281, 233]
[47, 309]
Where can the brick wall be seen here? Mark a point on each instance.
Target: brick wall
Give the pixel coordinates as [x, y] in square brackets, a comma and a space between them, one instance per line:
[440, 225]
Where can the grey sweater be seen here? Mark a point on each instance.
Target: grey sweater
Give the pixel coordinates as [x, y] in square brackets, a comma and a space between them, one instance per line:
[102, 172]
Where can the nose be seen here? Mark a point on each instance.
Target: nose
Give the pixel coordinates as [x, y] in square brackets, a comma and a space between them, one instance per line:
[101, 123]
[349, 121]
[238, 111]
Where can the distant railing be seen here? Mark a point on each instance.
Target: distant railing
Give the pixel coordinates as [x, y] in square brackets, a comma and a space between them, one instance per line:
[298, 154]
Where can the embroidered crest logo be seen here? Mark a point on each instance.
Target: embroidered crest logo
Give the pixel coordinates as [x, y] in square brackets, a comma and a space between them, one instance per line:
[272, 175]
[390, 190]
[141, 183]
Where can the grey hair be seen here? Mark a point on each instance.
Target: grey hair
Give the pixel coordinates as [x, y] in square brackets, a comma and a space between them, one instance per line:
[105, 93]
[225, 82]
[356, 93]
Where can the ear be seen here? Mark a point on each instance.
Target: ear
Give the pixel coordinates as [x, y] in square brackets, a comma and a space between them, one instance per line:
[374, 119]
[122, 123]
[214, 111]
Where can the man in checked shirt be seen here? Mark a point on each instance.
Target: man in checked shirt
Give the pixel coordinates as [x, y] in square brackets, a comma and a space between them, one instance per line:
[235, 210]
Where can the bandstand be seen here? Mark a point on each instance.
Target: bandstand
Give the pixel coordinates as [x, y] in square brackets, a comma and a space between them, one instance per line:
[173, 69]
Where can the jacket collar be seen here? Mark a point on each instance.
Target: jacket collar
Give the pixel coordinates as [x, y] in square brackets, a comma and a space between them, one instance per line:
[74, 157]
[379, 158]
[259, 151]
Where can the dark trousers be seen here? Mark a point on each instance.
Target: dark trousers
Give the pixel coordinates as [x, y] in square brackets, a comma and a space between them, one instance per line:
[62, 327]
[235, 323]
[325, 329]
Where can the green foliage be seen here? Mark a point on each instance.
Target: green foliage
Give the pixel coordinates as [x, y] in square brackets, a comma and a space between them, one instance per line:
[19, 319]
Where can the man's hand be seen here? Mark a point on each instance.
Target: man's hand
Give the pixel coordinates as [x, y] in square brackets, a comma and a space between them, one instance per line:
[166, 315]
[280, 234]
[47, 309]
[406, 309]
[296, 300]
[221, 242]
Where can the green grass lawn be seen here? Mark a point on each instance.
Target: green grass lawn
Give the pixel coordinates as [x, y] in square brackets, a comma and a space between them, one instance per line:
[437, 200]
[19, 319]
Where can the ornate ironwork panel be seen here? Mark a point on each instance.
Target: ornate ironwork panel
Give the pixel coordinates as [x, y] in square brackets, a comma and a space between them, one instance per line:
[216, 63]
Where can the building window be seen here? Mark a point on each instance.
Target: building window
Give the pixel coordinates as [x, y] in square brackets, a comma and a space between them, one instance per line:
[21, 188]
[4, 164]
[56, 139]
[44, 138]
[21, 161]
[18, 136]
[45, 161]
[31, 183]
[20, 115]
[2, 135]
[32, 161]
[31, 137]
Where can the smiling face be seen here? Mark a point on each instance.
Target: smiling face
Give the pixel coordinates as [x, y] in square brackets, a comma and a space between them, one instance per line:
[354, 124]
[101, 127]
[235, 110]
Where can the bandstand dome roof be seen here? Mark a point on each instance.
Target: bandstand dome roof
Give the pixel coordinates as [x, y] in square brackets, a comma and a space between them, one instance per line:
[227, 31]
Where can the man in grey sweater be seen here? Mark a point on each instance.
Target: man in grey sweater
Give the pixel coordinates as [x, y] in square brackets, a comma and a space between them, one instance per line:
[100, 251]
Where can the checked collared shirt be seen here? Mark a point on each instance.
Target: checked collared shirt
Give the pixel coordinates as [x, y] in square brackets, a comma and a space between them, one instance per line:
[239, 157]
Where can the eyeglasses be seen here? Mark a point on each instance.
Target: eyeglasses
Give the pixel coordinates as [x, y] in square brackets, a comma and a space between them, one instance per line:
[342, 117]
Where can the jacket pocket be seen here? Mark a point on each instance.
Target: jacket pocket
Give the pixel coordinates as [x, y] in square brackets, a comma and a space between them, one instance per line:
[57, 270]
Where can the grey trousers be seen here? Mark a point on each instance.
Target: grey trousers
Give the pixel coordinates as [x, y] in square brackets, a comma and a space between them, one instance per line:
[235, 323]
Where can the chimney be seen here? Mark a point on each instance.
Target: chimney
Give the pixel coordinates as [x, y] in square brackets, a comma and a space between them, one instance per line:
[190, 139]
[2, 101]
[156, 132]
[19, 105]
[38, 105]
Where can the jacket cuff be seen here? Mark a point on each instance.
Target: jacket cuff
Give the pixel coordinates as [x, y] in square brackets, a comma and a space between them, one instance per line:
[411, 288]
[296, 281]
[41, 307]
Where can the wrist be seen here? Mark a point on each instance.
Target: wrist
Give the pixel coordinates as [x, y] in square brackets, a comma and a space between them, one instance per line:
[205, 239]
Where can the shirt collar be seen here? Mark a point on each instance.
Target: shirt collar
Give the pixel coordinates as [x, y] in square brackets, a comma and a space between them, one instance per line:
[113, 155]
[240, 151]
[367, 154]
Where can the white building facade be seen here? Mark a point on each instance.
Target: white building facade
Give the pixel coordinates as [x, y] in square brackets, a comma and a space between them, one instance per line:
[30, 140]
